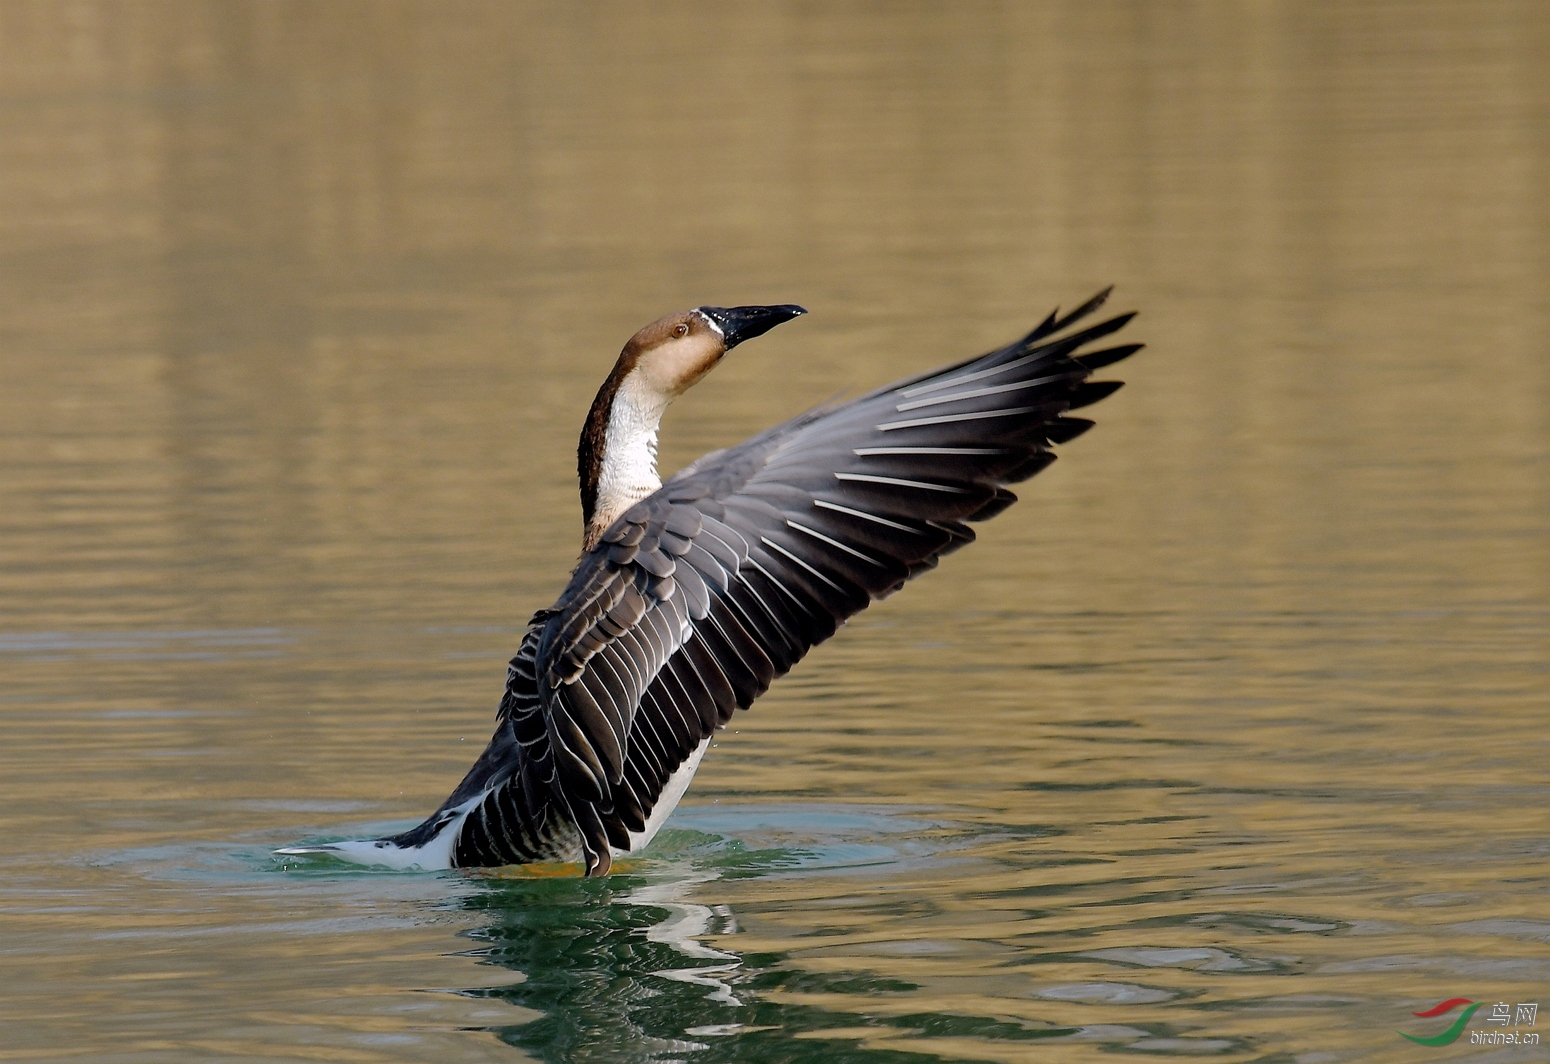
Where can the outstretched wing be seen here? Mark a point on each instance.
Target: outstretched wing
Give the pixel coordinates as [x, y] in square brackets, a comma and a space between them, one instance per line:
[697, 598]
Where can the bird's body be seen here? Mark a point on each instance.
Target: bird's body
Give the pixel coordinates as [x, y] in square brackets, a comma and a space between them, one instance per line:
[692, 596]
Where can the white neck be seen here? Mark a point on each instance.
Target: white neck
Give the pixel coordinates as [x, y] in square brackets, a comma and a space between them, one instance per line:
[629, 471]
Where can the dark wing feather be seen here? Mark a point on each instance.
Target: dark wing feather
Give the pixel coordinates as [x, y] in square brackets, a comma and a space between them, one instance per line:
[516, 817]
[701, 595]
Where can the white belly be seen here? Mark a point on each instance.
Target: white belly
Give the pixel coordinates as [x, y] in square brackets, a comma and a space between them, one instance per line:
[672, 791]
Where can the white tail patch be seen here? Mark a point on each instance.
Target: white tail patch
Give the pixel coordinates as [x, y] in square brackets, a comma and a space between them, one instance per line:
[434, 855]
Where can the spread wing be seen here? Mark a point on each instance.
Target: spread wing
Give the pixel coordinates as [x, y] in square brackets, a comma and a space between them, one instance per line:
[701, 595]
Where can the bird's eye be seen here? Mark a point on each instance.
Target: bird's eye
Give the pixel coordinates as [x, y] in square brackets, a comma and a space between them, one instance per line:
[680, 329]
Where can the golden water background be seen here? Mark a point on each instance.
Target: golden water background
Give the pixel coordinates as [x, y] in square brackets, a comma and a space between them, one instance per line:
[1230, 740]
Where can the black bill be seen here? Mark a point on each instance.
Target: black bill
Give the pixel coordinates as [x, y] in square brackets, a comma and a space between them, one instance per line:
[744, 323]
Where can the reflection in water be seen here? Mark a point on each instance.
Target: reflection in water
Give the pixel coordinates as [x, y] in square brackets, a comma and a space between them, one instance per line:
[620, 972]
[620, 969]
[682, 930]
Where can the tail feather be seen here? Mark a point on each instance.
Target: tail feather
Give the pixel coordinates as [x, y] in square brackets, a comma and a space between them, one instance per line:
[432, 854]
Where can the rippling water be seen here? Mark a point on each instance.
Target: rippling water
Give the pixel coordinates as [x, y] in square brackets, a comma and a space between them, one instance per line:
[1230, 741]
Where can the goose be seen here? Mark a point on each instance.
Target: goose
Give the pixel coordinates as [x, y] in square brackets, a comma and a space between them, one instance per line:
[692, 595]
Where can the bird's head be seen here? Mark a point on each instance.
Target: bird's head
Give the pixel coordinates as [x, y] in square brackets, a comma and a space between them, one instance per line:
[671, 355]
[617, 456]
